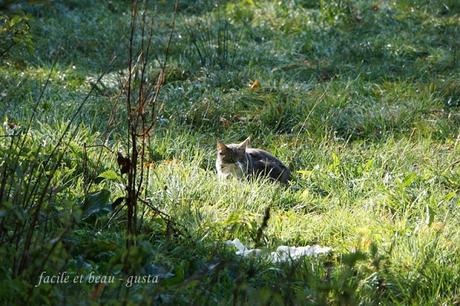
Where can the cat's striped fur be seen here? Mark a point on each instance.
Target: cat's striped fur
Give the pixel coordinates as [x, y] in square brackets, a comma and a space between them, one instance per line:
[238, 160]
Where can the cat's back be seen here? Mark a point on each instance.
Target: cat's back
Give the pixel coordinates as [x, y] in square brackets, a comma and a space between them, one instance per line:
[262, 161]
[259, 154]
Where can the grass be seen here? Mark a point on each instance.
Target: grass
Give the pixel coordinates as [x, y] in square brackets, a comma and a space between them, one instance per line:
[360, 98]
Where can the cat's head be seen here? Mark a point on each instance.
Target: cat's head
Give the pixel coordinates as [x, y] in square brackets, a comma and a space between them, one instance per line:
[231, 153]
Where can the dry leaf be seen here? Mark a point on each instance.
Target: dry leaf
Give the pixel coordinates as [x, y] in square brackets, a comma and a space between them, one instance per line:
[96, 293]
[149, 164]
[255, 85]
[225, 122]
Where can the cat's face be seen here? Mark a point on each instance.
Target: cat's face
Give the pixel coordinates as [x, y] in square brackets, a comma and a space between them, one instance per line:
[232, 153]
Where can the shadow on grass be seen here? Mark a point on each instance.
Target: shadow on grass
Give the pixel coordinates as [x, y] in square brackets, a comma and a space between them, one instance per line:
[379, 72]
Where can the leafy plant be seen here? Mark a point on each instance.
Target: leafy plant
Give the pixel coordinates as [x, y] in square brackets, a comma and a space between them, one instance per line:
[14, 31]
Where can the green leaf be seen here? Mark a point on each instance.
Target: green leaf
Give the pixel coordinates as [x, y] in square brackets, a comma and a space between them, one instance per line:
[408, 180]
[97, 204]
[110, 175]
[305, 173]
[369, 164]
[429, 215]
[15, 20]
[450, 196]
[179, 275]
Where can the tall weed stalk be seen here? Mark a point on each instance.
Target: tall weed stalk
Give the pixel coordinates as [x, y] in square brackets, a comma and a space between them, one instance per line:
[142, 106]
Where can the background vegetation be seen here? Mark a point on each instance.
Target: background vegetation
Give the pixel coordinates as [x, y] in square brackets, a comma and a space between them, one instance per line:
[360, 98]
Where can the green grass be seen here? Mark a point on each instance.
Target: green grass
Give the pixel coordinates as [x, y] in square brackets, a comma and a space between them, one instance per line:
[360, 98]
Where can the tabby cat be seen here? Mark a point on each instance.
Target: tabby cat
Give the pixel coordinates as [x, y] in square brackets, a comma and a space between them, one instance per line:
[238, 160]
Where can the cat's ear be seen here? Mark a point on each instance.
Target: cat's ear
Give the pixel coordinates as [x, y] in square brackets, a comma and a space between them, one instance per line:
[245, 144]
[221, 146]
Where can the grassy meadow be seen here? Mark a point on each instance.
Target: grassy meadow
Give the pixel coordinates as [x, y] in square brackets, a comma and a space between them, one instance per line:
[361, 99]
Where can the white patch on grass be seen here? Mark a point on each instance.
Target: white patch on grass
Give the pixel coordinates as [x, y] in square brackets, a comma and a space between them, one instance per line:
[282, 254]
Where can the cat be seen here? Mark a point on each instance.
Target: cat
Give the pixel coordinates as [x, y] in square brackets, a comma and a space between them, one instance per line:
[238, 160]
